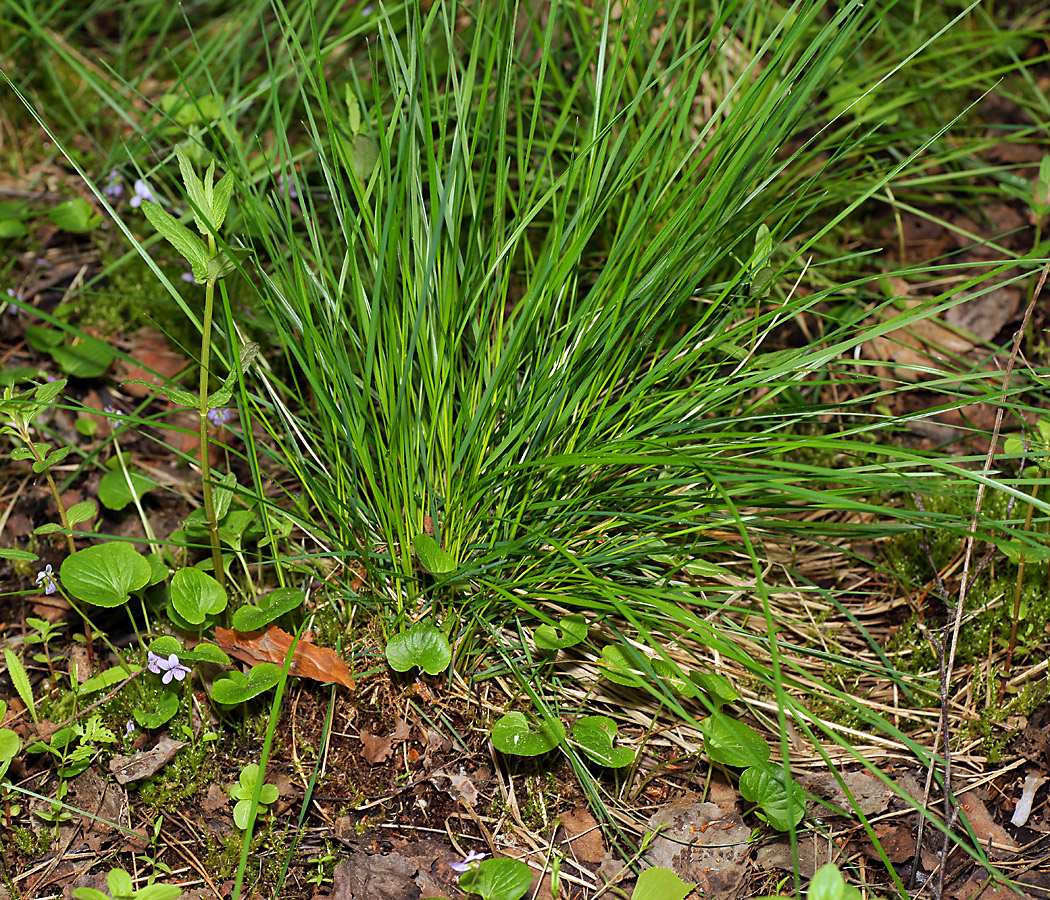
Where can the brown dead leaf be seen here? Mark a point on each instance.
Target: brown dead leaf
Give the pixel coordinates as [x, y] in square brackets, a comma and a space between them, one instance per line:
[217, 798]
[813, 852]
[147, 763]
[989, 832]
[897, 840]
[150, 351]
[402, 732]
[459, 787]
[271, 645]
[375, 749]
[364, 877]
[584, 836]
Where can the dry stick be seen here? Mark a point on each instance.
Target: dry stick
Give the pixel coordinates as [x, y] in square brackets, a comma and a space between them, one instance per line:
[947, 666]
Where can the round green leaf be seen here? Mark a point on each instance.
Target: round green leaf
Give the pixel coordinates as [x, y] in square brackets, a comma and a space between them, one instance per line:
[106, 574]
[422, 645]
[113, 490]
[208, 653]
[120, 883]
[595, 735]
[660, 884]
[828, 884]
[165, 708]
[240, 813]
[731, 742]
[236, 688]
[617, 668]
[88, 358]
[513, 734]
[717, 687]
[271, 607]
[10, 744]
[195, 594]
[435, 560]
[571, 630]
[502, 878]
[763, 784]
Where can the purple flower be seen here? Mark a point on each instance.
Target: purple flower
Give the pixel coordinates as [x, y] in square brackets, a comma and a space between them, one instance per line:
[171, 667]
[188, 277]
[467, 863]
[287, 187]
[114, 188]
[47, 578]
[142, 192]
[112, 410]
[219, 417]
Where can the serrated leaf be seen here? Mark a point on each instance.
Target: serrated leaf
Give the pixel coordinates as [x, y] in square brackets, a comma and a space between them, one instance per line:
[731, 742]
[225, 262]
[81, 512]
[422, 645]
[221, 200]
[47, 391]
[195, 190]
[515, 735]
[222, 396]
[432, 557]
[20, 679]
[222, 494]
[180, 237]
[176, 395]
[571, 630]
[105, 574]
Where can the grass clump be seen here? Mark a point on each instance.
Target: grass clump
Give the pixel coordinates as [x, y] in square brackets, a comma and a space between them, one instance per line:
[536, 321]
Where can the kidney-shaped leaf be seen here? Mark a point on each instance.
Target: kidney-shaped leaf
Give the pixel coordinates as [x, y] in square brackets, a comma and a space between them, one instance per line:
[616, 666]
[731, 742]
[763, 784]
[106, 574]
[595, 735]
[115, 493]
[828, 884]
[571, 630]
[507, 879]
[165, 707]
[717, 687]
[514, 734]
[236, 688]
[422, 645]
[195, 594]
[271, 607]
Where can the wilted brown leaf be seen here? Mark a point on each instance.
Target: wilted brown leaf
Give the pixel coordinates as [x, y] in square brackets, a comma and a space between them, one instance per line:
[271, 645]
[375, 749]
[147, 763]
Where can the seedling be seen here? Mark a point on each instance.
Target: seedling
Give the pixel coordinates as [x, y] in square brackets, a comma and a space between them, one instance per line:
[242, 793]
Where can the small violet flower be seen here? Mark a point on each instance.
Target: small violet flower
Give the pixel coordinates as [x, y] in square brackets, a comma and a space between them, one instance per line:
[219, 417]
[112, 410]
[129, 727]
[171, 667]
[467, 863]
[113, 186]
[142, 192]
[47, 578]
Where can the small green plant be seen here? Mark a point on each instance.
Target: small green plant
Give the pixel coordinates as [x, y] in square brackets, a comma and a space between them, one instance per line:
[421, 645]
[242, 793]
[121, 887]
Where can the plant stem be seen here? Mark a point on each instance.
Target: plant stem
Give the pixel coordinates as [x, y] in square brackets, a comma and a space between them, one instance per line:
[54, 490]
[209, 501]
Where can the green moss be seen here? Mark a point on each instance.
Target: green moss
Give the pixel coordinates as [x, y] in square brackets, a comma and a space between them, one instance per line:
[192, 772]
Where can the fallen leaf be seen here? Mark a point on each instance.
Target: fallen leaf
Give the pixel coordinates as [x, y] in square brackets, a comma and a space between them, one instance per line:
[146, 763]
[990, 833]
[217, 798]
[375, 749]
[402, 731]
[897, 840]
[150, 351]
[460, 787]
[271, 645]
[813, 852]
[364, 877]
[584, 835]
